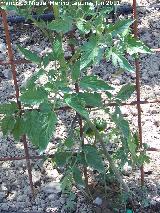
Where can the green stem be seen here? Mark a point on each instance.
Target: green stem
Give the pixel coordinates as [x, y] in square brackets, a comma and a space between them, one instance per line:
[112, 165]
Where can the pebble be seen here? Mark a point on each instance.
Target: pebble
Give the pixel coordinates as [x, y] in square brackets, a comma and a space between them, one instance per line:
[52, 187]
[98, 201]
[7, 74]
[51, 197]
[127, 169]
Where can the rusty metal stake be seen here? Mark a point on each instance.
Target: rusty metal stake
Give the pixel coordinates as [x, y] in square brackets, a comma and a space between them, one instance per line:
[137, 66]
[13, 68]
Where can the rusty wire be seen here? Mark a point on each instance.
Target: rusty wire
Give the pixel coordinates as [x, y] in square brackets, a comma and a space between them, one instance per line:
[13, 64]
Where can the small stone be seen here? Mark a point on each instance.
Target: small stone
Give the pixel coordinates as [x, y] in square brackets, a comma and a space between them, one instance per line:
[98, 201]
[7, 74]
[52, 187]
[127, 170]
[4, 187]
[51, 197]
[53, 173]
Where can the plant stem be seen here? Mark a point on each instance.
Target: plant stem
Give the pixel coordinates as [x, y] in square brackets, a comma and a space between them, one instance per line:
[112, 165]
[82, 140]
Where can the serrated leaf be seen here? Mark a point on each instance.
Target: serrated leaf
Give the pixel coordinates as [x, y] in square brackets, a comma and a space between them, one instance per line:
[34, 95]
[93, 159]
[122, 61]
[7, 124]
[9, 108]
[75, 103]
[84, 26]
[75, 71]
[69, 142]
[77, 176]
[125, 92]
[47, 59]
[122, 124]
[58, 52]
[31, 81]
[33, 57]
[45, 107]
[66, 182]
[120, 27]
[132, 147]
[61, 25]
[90, 99]
[94, 83]
[61, 158]
[40, 127]
[19, 129]
[135, 46]
[90, 52]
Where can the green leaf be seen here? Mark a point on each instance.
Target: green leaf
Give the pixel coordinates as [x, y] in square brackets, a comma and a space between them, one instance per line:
[135, 46]
[77, 176]
[58, 52]
[34, 96]
[94, 83]
[40, 127]
[35, 76]
[47, 59]
[120, 27]
[61, 25]
[132, 147]
[9, 108]
[75, 71]
[122, 61]
[125, 92]
[90, 99]
[75, 103]
[93, 159]
[69, 142]
[122, 124]
[7, 124]
[61, 158]
[66, 182]
[33, 57]
[19, 129]
[84, 26]
[45, 107]
[90, 51]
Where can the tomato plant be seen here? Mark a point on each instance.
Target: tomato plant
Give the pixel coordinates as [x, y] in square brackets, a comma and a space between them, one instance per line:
[90, 38]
